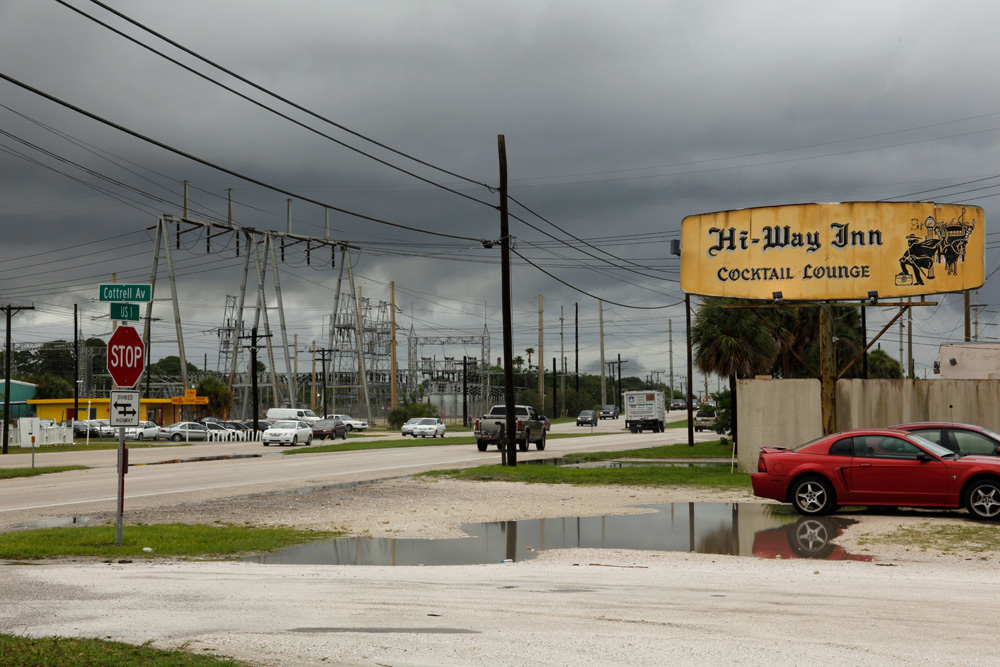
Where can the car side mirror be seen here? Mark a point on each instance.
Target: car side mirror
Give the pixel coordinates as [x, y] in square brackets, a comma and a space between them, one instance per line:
[924, 457]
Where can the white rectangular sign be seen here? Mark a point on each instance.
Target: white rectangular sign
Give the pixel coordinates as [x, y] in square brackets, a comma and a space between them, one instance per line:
[124, 408]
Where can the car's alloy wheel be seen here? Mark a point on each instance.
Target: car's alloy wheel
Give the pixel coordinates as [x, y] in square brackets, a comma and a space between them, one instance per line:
[983, 499]
[176, 437]
[812, 496]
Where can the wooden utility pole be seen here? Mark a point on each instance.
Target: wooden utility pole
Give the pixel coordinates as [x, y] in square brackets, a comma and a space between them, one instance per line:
[10, 310]
[541, 356]
[690, 374]
[828, 369]
[508, 454]
[600, 319]
[670, 352]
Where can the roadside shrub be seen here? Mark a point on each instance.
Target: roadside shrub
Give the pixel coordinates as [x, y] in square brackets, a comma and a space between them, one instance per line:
[399, 416]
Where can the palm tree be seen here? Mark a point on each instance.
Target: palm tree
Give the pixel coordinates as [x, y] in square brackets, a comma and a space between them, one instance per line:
[518, 361]
[734, 343]
[530, 351]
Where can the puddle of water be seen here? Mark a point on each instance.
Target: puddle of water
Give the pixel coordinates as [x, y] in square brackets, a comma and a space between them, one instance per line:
[712, 528]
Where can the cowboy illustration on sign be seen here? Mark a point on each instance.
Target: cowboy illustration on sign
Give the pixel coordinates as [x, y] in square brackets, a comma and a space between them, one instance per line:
[941, 241]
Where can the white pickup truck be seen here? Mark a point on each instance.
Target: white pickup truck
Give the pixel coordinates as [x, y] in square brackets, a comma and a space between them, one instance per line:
[530, 428]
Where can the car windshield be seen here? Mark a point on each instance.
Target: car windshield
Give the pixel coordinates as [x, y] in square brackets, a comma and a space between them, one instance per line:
[413, 421]
[427, 422]
[325, 423]
[289, 425]
[586, 413]
[932, 447]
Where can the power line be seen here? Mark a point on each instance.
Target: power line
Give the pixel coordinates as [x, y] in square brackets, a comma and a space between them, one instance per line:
[226, 170]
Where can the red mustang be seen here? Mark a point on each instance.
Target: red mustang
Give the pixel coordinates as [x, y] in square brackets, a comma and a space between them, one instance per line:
[877, 467]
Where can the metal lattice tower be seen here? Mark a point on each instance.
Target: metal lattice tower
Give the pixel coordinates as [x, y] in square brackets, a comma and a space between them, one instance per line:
[227, 346]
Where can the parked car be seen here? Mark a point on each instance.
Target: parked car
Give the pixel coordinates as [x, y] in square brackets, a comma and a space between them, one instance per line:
[963, 438]
[429, 426]
[144, 431]
[329, 428]
[81, 428]
[877, 467]
[288, 432]
[352, 424]
[300, 414]
[105, 428]
[705, 420]
[236, 426]
[183, 431]
[587, 418]
[608, 412]
[407, 428]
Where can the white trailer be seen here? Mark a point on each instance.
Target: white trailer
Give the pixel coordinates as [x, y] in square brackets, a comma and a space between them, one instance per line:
[644, 411]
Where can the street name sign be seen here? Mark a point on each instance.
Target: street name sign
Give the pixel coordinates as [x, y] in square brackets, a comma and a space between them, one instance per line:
[126, 356]
[128, 312]
[124, 408]
[116, 292]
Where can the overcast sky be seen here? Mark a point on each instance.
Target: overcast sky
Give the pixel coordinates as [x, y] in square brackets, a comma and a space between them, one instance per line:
[620, 119]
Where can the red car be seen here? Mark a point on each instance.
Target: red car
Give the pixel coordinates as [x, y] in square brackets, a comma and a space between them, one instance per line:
[877, 467]
[964, 438]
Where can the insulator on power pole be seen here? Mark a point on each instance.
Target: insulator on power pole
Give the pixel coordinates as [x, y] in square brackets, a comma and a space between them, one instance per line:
[308, 252]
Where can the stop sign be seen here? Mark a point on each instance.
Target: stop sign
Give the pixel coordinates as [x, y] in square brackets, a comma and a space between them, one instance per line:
[126, 356]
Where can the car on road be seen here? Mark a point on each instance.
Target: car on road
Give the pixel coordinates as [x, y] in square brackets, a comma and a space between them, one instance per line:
[608, 412]
[352, 424]
[429, 427]
[705, 419]
[678, 404]
[877, 467]
[329, 428]
[186, 431]
[288, 432]
[407, 428]
[144, 431]
[964, 438]
[546, 422]
[587, 418]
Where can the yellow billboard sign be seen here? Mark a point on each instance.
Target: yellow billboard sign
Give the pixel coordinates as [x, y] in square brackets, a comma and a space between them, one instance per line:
[833, 251]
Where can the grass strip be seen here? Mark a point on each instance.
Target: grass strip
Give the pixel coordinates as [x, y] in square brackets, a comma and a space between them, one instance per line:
[947, 538]
[172, 540]
[346, 446]
[8, 473]
[718, 477]
[711, 449]
[18, 651]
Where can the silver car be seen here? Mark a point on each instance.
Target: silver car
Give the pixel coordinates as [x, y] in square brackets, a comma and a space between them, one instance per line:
[186, 431]
[144, 431]
[429, 426]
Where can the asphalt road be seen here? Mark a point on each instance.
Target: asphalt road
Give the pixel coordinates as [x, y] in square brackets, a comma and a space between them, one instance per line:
[171, 474]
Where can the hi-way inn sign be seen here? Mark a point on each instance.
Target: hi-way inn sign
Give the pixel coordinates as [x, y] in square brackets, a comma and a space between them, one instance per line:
[844, 251]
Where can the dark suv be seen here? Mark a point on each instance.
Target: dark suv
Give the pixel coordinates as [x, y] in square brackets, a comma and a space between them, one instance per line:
[609, 412]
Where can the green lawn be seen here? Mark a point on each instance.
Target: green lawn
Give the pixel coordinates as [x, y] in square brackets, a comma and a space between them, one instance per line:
[8, 473]
[164, 540]
[714, 476]
[18, 651]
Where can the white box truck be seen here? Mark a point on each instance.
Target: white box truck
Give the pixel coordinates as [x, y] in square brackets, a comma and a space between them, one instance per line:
[644, 411]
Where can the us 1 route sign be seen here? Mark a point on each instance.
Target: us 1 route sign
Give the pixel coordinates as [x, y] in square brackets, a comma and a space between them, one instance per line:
[124, 408]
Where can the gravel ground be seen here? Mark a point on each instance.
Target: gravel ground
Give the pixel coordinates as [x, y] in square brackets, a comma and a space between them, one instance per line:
[565, 607]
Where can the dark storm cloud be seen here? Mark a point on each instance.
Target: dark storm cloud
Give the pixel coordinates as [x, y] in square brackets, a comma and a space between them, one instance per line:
[620, 119]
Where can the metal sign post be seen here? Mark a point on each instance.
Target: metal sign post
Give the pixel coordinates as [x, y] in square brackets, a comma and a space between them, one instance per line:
[124, 410]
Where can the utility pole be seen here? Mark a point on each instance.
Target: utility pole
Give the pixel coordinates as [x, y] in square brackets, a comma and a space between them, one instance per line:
[76, 366]
[465, 392]
[253, 371]
[690, 373]
[670, 351]
[393, 388]
[541, 355]
[562, 362]
[909, 338]
[618, 398]
[576, 372]
[555, 386]
[600, 319]
[9, 309]
[508, 454]
[322, 355]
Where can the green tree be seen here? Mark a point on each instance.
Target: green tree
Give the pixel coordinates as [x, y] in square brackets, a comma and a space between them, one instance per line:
[220, 397]
[529, 351]
[802, 341]
[518, 361]
[171, 366]
[882, 366]
[733, 343]
[52, 386]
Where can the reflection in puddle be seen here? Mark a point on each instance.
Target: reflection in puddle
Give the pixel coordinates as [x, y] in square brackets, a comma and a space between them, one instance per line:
[709, 528]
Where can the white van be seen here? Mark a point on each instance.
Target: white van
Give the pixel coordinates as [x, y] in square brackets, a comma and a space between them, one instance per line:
[301, 414]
